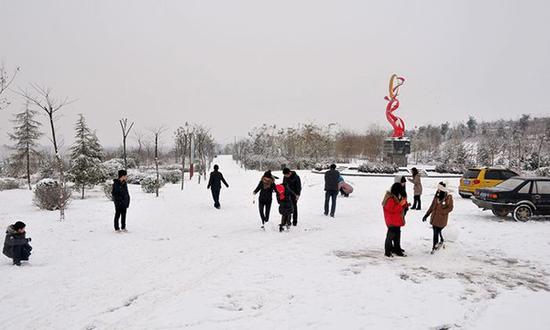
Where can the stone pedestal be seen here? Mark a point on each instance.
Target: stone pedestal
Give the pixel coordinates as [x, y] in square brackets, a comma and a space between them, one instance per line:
[396, 151]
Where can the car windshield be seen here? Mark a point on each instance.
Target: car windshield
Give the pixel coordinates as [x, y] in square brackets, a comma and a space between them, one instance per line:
[471, 174]
[510, 184]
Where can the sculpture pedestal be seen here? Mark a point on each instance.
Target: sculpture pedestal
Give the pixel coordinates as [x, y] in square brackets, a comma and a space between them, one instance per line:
[396, 151]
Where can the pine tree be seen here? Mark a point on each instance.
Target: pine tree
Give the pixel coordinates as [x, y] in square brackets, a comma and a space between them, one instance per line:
[86, 154]
[25, 134]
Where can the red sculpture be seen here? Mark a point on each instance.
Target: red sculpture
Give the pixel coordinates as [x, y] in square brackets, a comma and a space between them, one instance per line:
[393, 103]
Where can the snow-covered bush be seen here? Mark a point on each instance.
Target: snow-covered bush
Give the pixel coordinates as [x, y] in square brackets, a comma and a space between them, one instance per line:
[107, 188]
[135, 176]
[450, 168]
[170, 176]
[543, 171]
[48, 195]
[9, 184]
[378, 167]
[258, 162]
[149, 184]
[112, 166]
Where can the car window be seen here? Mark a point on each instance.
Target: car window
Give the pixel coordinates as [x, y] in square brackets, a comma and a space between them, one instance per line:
[494, 175]
[508, 174]
[471, 174]
[525, 188]
[543, 187]
[510, 184]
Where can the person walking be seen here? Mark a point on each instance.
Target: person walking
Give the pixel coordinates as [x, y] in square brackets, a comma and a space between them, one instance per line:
[439, 210]
[215, 185]
[415, 180]
[266, 188]
[331, 189]
[16, 244]
[285, 198]
[121, 198]
[293, 181]
[393, 205]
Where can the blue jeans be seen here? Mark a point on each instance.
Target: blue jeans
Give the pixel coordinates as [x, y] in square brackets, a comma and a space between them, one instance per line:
[331, 194]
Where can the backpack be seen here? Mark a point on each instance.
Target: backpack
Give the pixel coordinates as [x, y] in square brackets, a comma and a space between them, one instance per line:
[280, 191]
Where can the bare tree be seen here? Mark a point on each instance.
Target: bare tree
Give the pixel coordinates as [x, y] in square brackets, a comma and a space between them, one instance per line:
[50, 105]
[183, 142]
[5, 81]
[156, 135]
[125, 131]
[140, 141]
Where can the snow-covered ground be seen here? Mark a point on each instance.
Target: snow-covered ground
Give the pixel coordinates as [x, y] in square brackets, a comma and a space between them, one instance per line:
[185, 264]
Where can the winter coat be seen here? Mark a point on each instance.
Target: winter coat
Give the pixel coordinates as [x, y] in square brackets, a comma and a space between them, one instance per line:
[294, 183]
[417, 184]
[331, 180]
[266, 187]
[286, 207]
[393, 210]
[216, 179]
[120, 194]
[14, 239]
[439, 211]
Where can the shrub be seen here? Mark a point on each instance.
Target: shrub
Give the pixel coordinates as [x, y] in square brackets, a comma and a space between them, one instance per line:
[378, 167]
[47, 195]
[450, 168]
[170, 176]
[135, 176]
[149, 184]
[543, 171]
[9, 184]
[107, 188]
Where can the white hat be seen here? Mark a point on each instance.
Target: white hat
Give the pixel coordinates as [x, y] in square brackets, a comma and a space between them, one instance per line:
[442, 186]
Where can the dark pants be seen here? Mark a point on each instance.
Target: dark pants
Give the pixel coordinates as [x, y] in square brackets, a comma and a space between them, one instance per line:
[285, 220]
[265, 209]
[416, 203]
[331, 194]
[21, 252]
[294, 212]
[120, 213]
[437, 235]
[216, 196]
[393, 241]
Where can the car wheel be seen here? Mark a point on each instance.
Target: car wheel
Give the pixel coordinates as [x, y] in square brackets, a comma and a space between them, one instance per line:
[501, 213]
[523, 213]
[464, 196]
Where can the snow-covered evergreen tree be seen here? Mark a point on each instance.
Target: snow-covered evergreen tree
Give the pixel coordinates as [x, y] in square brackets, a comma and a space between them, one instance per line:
[86, 154]
[25, 135]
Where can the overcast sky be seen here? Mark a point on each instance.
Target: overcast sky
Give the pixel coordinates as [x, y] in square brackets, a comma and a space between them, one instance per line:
[233, 65]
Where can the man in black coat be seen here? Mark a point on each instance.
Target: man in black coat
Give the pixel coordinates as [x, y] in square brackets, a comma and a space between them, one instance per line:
[292, 180]
[121, 198]
[16, 244]
[331, 188]
[215, 185]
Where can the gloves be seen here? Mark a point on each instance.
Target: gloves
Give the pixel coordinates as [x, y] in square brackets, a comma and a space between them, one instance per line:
[424, 218]
[29, 239]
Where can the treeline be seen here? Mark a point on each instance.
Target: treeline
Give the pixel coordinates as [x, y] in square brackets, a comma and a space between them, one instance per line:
[521, 144]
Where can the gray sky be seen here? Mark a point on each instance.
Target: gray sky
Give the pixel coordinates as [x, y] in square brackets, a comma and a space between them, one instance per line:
[233, 65]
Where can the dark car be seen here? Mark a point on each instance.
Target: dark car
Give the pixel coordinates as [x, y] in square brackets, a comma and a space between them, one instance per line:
[524, 197]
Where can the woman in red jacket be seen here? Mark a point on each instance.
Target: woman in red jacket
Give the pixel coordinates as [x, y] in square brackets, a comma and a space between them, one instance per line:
[394, 205]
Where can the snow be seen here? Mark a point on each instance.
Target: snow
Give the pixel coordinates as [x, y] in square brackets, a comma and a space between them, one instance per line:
[185, 264]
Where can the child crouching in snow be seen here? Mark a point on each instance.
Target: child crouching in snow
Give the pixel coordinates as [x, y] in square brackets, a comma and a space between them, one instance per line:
[16, 244]
[442, 205]
[394, 204]
[286, 207]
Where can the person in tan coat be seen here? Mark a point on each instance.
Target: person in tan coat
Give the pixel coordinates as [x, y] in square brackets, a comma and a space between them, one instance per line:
[415, 180]
[439, 210]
